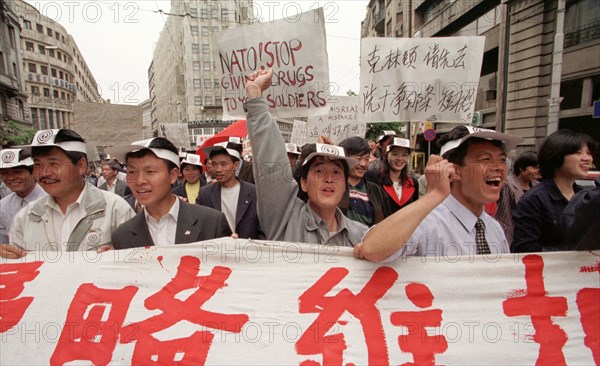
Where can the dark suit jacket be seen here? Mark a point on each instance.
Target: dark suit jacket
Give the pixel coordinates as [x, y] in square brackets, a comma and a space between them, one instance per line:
[121, 188]
[246, 218]
[194, 223]
[130, 198]
[181, 192]
[246, 172]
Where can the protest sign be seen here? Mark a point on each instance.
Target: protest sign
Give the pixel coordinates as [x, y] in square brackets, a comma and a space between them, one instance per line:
[344, 120]
[298, 133]
[420, 79]
[177, 133]
[246, 302]
[294, 48]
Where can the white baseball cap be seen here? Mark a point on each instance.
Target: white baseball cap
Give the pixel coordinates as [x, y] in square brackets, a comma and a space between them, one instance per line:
[192, 159]
[292, 149]
[385, 134]
[120, 152]
[47, 138]
[330, 151]
[223, 146]
[11, 158]
[509, 142]
[399, 142]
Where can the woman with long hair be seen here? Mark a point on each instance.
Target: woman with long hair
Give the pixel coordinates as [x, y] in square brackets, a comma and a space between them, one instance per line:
[563, 157]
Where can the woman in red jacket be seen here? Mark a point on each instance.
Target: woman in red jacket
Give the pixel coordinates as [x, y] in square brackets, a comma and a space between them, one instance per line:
[394, 178]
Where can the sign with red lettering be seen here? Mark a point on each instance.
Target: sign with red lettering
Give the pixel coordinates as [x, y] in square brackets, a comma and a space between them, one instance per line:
[296, 50]
[245, 302]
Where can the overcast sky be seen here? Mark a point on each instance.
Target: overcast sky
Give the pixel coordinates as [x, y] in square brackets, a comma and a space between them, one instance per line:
[117, 38]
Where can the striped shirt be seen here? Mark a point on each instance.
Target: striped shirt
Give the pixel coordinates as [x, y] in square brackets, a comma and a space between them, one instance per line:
[360, 209]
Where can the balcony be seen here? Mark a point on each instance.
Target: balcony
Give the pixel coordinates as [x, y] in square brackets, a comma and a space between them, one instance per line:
[379, 21]
[587, 33]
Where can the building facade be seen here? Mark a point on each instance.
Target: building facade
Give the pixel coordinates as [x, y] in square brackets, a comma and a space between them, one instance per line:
[183, 76]
[56, 74]
[13, 98]
[515, 86]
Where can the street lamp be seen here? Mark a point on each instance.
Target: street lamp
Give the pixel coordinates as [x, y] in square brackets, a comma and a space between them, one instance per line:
[54, 119]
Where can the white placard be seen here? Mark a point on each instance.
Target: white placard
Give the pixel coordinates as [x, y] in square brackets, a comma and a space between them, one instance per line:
[299, 133]
[296, 50]
[420, 79]
[344, 120]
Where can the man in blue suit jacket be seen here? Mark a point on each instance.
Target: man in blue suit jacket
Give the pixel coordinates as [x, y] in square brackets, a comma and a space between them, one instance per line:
[235, 198]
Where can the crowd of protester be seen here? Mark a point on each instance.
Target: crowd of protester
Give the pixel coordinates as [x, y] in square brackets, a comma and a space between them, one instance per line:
[359, 194]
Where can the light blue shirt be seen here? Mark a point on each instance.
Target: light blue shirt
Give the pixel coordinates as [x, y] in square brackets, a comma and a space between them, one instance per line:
[10, 205]
[449, 230]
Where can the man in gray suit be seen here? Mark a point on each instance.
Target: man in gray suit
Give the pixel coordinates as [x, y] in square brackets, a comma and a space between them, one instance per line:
[152, 166]
[232, 196]
[110, 170]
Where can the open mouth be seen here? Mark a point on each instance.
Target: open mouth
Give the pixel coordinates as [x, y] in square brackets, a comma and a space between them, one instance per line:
[49, 181]
[494, 182]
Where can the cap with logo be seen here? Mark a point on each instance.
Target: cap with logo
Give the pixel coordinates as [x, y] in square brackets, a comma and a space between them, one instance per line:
[385, 134]
[192, 159]
[399, 142]
[11, 158]
[292, 149]
[48, 138]
[223, 146]
[509, 142]
[120, 152]
[331, 151]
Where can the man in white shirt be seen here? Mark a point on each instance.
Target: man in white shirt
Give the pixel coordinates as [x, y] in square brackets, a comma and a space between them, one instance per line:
[16, 169]
[232, 196]
[75, 215]
[152, 167]
[472, 174]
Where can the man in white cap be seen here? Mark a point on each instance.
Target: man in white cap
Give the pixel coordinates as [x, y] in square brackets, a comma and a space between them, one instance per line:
[16, 170]
[293, 154]
[450, 220]
[325, 170]
[152, 167]
[75, 215]
[382, 143]
[231, 195]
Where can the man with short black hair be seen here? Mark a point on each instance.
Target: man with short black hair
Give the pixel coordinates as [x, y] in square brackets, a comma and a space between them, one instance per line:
[110, 170]
[16, 169]
[450, 219]
[232, 196]
[152, 167]
[75, 215]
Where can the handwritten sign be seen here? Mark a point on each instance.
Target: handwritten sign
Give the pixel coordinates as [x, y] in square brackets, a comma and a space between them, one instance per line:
[344, 120]
[299, 133]
[295, 49]
[177, 133]
[420, 79]
[244, 302]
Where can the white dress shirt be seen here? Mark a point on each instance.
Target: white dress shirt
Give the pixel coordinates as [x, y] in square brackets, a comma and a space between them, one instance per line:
[10, 205]
[449, 230]
[163, 232]
[63, 224]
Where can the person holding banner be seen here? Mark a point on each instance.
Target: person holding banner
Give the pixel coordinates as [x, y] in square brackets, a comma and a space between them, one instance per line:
[450, 219]
[325, 170]
[152, 167]
[75, 216]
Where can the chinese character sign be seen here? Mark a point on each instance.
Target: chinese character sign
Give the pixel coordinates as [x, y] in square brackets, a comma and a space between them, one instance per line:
[344, 120]
[237, 302]
[420, 79]
[296, 50]
[298, 133]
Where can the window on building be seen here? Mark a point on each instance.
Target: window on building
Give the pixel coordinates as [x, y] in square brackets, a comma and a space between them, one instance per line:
[57, 35]
[217, 85]
[11, 36]
[39, 28]
[55, 94]
[194, 29]
[197, 83]
[42, 49]
[53, 72]
[61, 75]
[44, 69]
[218, 100]
[49, 32]
[2, 64]
[204, 30]
[32, 67]
[208, 85]
[581, 22]
[571, 91]
[62, 95]
[203, 14]
[27, 24]
[194, 12]
[29, 46]
[206, 48]
[59, 55]
[206, 66]
[215, 29]
[208, 100]
[197, 100]
[46, 92]
[51, 52]
[195, 48]
[196, 65]
[35, 90]
[34, 117]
